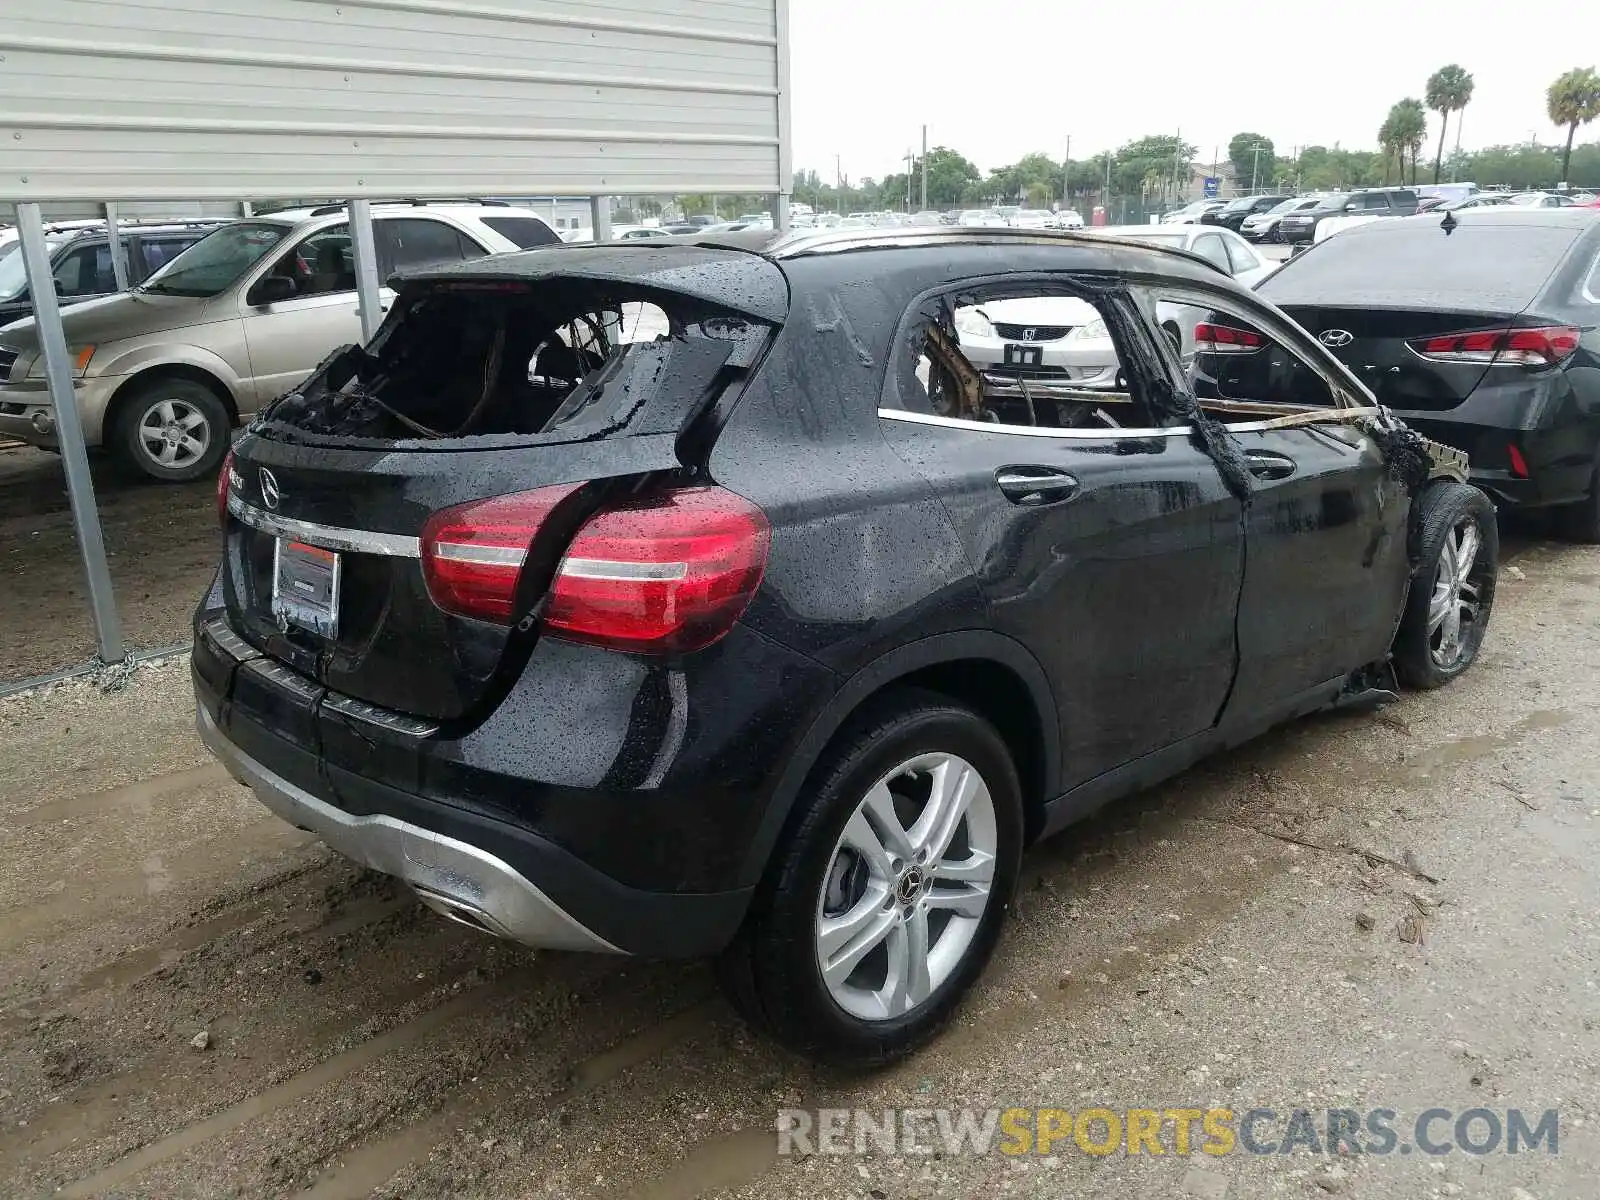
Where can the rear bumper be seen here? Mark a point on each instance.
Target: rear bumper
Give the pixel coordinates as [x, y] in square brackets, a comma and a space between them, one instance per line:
[454, 878]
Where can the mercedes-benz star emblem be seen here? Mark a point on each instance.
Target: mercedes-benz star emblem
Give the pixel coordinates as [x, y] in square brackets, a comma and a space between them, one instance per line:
[1335, 338]
[269, 489]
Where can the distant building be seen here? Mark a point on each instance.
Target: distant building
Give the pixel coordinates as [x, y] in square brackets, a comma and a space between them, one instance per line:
[1222, 172]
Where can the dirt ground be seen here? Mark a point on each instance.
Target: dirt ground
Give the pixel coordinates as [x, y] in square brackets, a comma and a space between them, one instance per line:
[161, 540]
[1264, 931]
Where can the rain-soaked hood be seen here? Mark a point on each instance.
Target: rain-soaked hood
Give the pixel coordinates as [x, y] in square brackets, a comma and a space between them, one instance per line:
[113, 318]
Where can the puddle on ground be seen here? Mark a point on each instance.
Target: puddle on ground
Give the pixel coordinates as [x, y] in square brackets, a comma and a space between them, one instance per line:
[1421, 767]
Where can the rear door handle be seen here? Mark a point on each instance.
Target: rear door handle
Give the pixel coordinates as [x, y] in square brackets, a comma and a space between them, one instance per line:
[1033, 486]
[1264, 464]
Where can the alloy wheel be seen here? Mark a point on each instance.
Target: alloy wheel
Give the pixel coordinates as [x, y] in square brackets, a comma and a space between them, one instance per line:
[174, 433]
[907, 886]
[1456, 605]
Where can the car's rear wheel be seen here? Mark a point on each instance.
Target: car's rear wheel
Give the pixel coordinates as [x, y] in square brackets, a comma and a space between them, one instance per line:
[888, 894]
[173, 430]
[1452, 591]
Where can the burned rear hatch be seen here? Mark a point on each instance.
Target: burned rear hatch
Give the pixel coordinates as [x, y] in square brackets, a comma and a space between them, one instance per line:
[478, 386]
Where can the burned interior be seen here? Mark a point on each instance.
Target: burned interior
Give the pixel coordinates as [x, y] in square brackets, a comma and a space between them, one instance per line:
[566, 360]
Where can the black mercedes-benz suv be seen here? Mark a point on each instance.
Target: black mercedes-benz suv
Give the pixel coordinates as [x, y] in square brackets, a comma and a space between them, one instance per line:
[702, 599]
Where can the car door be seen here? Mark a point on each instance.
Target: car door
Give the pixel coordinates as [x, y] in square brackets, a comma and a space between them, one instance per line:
[1112, 551]
[287, 338]
[1325, 556]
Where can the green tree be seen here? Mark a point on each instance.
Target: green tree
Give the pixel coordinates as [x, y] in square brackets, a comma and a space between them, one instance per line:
[1573, 100]
[1402, 133]
[1252, 157]
[949, 175]
[1449, 90]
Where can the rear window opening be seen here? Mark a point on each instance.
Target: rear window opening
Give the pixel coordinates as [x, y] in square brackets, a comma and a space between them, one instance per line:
[565, 360]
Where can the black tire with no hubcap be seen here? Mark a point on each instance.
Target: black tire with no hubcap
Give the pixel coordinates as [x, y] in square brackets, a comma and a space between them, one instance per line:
[773, 972]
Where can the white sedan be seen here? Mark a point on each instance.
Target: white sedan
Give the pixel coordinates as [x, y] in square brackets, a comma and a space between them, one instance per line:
[1062, 339]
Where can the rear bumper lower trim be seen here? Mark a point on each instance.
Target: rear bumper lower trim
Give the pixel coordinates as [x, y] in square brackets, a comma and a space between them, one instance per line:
[454, 878]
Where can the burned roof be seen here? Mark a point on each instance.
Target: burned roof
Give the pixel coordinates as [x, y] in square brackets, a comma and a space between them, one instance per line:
[739, 270]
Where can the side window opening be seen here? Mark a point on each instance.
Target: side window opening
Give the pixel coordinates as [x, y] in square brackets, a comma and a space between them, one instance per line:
[1236, 368]
[1023, 354]
[320, 264]
[570, 359]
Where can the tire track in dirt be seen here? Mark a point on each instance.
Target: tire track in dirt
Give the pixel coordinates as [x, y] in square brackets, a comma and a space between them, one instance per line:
[103, 803]
[297, 1087]
[372, 1164]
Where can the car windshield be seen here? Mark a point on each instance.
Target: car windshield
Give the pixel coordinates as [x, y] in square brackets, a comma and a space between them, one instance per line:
[1242, 204]
[14, 275]
[1337, 200]
[1287, 206]
[217, 260]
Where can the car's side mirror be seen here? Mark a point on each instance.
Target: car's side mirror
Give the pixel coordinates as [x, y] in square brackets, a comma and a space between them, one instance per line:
[273, 289]
[1351, 207]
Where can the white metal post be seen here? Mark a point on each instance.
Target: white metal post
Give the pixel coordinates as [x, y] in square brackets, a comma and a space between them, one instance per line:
[69, 432]
[366, 256]
[119, 252]
[600, 218]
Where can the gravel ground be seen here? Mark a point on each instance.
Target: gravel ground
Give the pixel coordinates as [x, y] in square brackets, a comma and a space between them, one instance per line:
[1264, 931]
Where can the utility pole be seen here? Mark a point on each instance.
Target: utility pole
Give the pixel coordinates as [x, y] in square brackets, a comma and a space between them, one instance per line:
[911, 159]
[1255, 166]
[838, 184]
[1177, 155]
[924, 168]
[1456, 157]
[1066, 176]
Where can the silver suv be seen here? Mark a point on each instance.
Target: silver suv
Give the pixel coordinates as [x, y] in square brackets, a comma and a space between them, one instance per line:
[166, 371]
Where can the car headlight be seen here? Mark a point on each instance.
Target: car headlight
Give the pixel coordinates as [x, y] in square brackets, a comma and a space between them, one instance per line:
[973, 323]
[1094, 331]
[78, 355]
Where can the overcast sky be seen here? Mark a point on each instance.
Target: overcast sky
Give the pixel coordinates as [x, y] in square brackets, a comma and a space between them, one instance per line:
[996, 79]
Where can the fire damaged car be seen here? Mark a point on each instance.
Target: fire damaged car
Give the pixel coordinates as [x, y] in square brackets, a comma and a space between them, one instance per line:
[702, 599]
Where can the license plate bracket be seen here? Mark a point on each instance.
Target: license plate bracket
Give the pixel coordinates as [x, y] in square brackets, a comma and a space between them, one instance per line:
[305, 588]
[1023, 356]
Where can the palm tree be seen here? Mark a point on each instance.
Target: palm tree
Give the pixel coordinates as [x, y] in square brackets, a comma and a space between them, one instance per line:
[1387, 143]
[1573, 100]
[1449, 90]
[1403, 130]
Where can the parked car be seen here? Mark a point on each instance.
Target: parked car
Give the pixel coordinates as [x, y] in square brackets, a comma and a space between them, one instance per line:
[1233, 213]
[166, 371]
[1483, 332]
[1541, 200]
[1263, 227]
[748, 639]
[1032, 218]
[1191, 213]
[1061, 338]
[1068, 218]
[80, 260]
[981, 218]
[1482, 200]
[1345, 209]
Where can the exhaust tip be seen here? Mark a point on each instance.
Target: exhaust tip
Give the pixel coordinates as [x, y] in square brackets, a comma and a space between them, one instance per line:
[459, 911]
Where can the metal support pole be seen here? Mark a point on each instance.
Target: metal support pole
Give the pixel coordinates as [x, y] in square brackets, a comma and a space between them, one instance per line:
[780, 212]
[69, 432]
[600, 217]
[924, 168]
[246, 209]
[366, 256]
[119, 252]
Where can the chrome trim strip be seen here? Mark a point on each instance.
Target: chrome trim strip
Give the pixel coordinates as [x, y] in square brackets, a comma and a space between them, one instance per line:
[466, 879]
[603, 568]
[383, 718]
[329, 537]
[1082, 435]
[1323, 416]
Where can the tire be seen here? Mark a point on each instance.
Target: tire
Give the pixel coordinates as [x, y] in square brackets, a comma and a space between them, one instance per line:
[1580, 522]
[819, 882]
[1425, 656]
[176, 420]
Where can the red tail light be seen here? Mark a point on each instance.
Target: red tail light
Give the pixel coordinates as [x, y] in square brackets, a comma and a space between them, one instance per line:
[1501, 347]
[472, 554]
[668, 572]
[1224, 339]
[1519, 465]
[225, 478]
